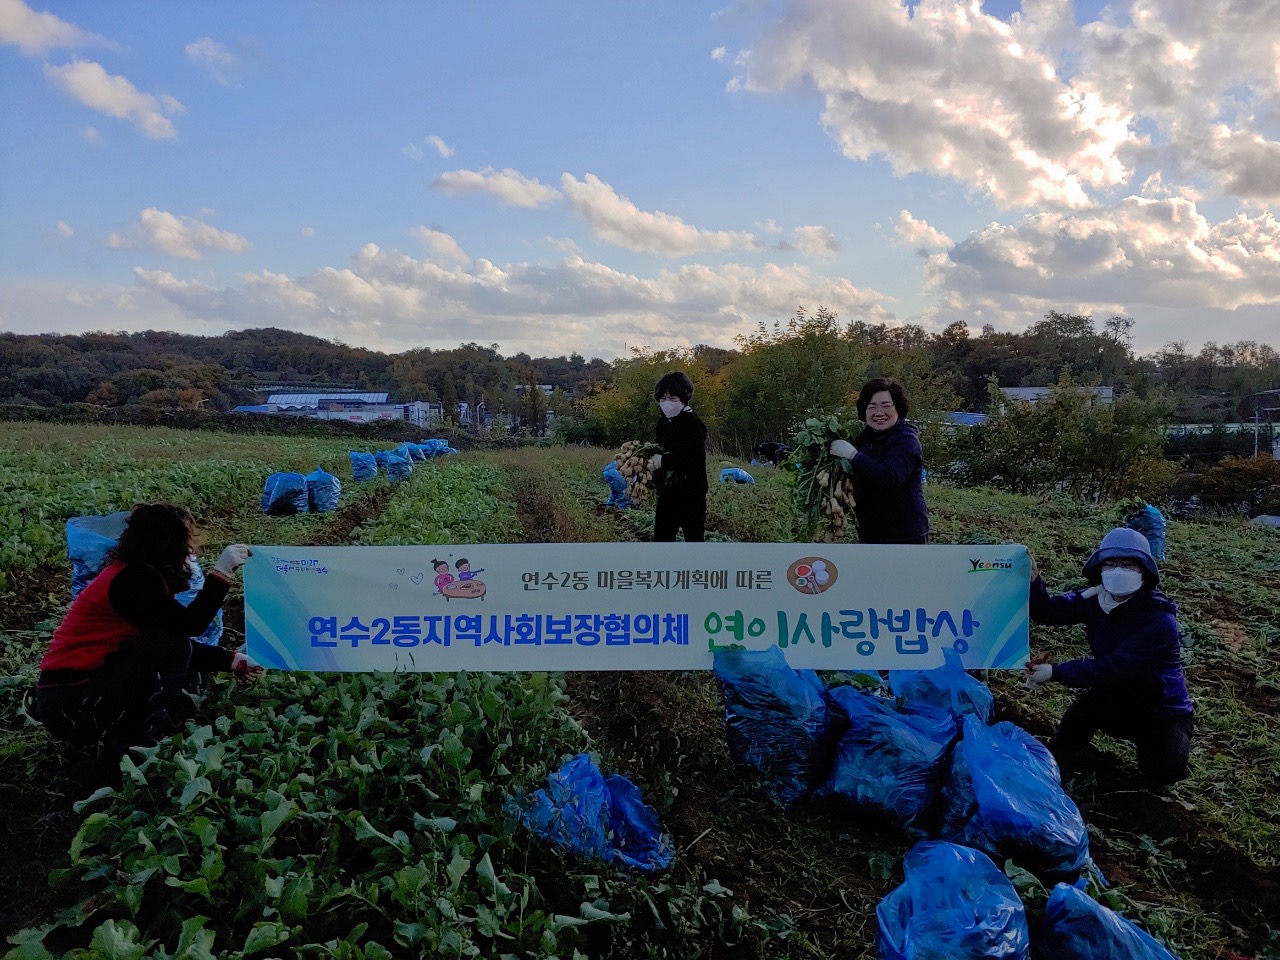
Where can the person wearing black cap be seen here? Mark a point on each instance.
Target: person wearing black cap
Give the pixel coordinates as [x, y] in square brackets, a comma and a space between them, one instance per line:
[1134, 686]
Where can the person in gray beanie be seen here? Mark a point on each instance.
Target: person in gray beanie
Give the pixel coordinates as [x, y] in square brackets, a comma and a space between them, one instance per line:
[1133, 685]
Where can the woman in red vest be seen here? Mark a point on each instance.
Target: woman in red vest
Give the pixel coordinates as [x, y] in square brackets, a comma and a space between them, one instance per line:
[115, 669]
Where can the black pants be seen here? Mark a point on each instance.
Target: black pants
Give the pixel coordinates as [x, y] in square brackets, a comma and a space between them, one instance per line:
[134, 699]
[1163, 743]
[677, 510]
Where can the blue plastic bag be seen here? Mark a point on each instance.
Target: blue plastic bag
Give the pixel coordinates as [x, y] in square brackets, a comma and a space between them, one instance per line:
[1003, 796]
[617, 487]
[597, 817]
[955, 904]
[416, 453]
[736, 475]
[284, 494]
[434, 447]
[1150, 522]
[363, 466]
[398, 468]
[323, 491]
[88, 541]
[1077, 927]
[890, 761]
[948, 687]
[777, 720]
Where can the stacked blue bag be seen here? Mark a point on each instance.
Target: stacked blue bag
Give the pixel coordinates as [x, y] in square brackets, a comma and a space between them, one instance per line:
[947, 687]
[398, 468]
[618, 496]
[777, 720]
[1077, 927]
[955, 904]
[596, 817]
[89, 539]
[736, 475]
[890, 761]
[323, 491]
[364, 466]
[1004, 796]
[284, 494]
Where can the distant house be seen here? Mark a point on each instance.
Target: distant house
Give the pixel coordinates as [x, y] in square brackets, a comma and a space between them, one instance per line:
[1035, 394]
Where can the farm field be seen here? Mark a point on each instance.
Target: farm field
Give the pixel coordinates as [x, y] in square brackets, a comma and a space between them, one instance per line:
[362, 815]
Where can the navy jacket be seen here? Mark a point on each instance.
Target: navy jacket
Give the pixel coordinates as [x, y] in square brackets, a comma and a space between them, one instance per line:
[684, 465]
[888, 497]
[1135, 647]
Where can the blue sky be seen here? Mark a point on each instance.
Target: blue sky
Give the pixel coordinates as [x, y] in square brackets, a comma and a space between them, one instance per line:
[595, 177]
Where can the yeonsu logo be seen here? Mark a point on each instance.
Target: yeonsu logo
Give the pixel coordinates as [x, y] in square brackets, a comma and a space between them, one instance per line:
[989, 566]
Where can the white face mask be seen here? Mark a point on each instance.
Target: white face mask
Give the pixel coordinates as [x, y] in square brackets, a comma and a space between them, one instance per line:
[671, 408]
[1121, 581]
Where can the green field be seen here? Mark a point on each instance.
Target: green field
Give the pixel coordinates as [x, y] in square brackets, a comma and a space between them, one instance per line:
[362, 815]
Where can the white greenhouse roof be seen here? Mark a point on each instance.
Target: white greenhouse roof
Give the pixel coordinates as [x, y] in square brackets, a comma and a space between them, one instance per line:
[313, 399]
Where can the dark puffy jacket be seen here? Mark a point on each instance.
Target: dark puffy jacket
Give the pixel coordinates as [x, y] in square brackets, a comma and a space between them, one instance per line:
[1134, 648]
[888, 498]
[684, 465]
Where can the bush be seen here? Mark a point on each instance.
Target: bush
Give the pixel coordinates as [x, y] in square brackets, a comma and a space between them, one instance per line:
[1236, 485]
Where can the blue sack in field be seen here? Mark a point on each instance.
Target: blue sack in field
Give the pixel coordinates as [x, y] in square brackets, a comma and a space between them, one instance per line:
[434, 447]
[890, 761]
[1003, 796]
[213, 632]
[1150, 522]
[1077, 927]
[284, 494]
[955, 904]
[777, 720]
[617, 486]
[398, 468]
[363, 466]
[323, 491]
[736, 475]
[948, 687]
[597, 818]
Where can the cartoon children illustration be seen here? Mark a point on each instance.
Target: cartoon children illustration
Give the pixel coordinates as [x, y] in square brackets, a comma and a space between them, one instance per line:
[443, 576]
[464, 569]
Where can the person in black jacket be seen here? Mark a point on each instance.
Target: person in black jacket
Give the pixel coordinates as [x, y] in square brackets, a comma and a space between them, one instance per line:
[888, 467]
[772, 452]
[681, 472]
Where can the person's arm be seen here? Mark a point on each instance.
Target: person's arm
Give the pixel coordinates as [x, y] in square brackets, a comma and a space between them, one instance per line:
[140, 594]
[1058, 610]
[1139, 656]
[903, 459]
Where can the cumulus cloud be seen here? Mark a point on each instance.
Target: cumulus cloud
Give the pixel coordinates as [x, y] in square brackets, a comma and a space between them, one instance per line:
[115, 96]
[441, 245]
[215, 59]
[815, 241]
[619, 221]
[118, 241]
[185, 236]
[918, 235]
[64, 230]
[35, 33]
[441, 147]
[511, 187]
[718, 54]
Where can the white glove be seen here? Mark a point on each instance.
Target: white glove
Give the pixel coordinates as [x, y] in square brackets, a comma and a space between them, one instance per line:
[244, 669]
[655, 462]
[842, 448]
[1037, 674]
[232, 559]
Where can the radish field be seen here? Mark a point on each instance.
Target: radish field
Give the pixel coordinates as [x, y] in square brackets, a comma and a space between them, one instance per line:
[363, 816]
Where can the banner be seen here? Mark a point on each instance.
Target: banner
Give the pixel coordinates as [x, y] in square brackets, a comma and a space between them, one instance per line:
[634, 606]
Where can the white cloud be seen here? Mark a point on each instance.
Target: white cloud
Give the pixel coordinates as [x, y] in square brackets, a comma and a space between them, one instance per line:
[718, 54]
[768, 226]
[441, 147]
[616, 219]
[91, 135]
[115, 96]
[511, 187]
[308, 232]
[117, 241]
[64, 229]
[815, 241]
[36, 33]
[215, 59]
[441, 245]
[918, 235]
[184, 236]
[412, 151]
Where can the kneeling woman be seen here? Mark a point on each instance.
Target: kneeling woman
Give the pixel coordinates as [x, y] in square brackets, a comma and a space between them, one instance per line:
[1135, 689]
[115, 669]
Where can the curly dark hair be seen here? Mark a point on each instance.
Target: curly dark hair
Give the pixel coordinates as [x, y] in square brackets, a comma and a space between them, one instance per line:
[877, 385]
[675, 383]
[162, 536]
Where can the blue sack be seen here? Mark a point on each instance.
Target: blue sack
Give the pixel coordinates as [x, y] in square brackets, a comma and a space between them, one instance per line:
[955, 904]
[890, 761]
[1003, 796]
[736, 474]
[947, 687]
[363, 466]
[398, 468]
[88, 541]
[1150, 522]
[284, 494]
[434, 447]
[617, 487]
[1077, 927]
[323, 491]
[416, 453]
[777, 720]
[597, 818]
